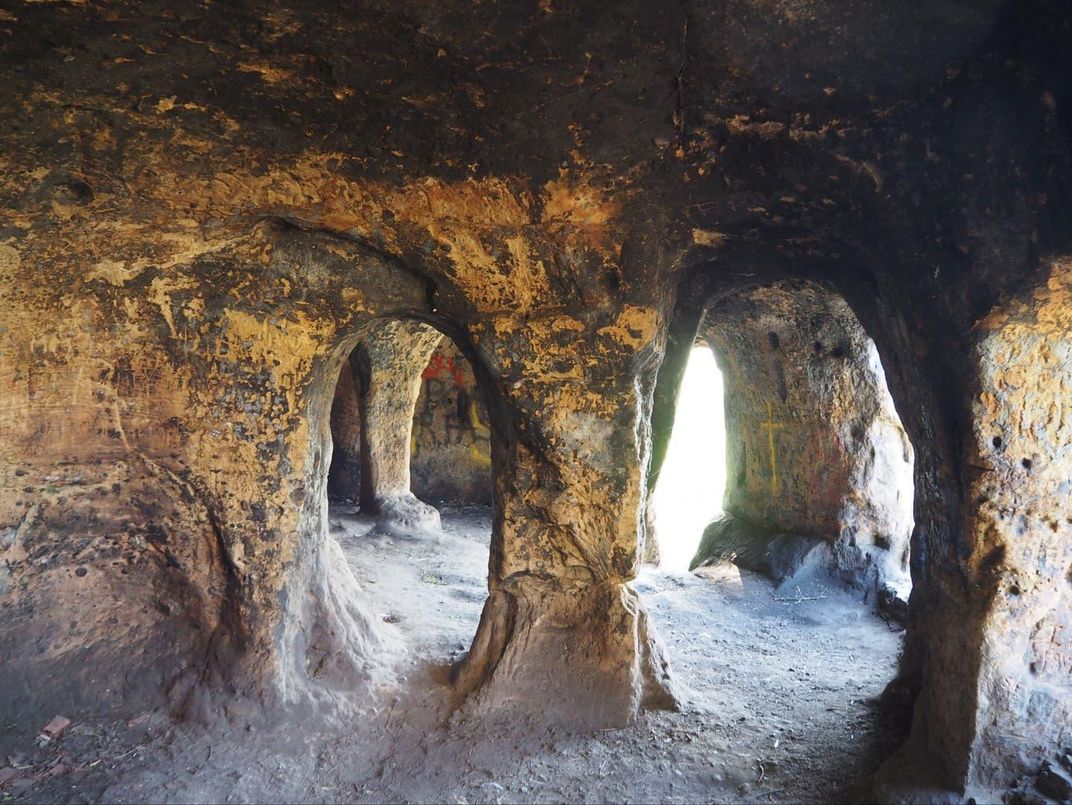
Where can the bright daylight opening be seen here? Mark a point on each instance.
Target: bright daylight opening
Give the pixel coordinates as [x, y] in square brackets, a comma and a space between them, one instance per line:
[689, 492]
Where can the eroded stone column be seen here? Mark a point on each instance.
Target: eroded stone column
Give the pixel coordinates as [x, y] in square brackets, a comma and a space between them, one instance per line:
[1019, 499]
[388, 365]
[563, 635]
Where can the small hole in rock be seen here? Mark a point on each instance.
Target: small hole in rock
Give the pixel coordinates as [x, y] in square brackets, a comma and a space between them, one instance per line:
[997, 442]
[1027, 463]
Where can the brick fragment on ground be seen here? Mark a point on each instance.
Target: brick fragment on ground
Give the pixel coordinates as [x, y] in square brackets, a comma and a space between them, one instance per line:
[56, 727]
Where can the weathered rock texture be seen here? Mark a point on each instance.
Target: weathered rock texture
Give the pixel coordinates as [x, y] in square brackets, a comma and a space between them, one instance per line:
[387, 366]
[562, 635]
[451, 458]
[1019, 471]
[449, 444]
[191, 252]
[204, 209]
[164, 487]
[816, 455]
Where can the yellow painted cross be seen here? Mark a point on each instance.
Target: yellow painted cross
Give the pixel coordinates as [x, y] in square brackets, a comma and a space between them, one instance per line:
[770, 426]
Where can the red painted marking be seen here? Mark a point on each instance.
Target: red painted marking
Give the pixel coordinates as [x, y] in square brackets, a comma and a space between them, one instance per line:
[441, 365]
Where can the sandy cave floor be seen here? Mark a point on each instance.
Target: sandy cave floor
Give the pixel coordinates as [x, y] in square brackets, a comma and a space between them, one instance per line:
[776, 706]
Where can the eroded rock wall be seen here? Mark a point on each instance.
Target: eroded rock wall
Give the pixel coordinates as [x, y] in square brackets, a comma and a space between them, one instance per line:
[202, 263]
[1019, 485]
[560, 167]
[814, 446]
[451, 454]
[161, 489]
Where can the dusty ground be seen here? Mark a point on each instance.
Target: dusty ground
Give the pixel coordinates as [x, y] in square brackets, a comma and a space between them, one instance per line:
[776, 706]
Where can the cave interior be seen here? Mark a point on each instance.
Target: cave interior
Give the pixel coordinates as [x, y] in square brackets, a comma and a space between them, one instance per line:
[346, 355]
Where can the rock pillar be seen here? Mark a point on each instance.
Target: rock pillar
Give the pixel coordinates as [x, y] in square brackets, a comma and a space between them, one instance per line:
[388, 365]
[1018, 482]
[563, 635]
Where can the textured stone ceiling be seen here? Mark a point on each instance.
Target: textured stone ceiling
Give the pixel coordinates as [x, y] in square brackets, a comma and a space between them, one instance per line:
[648, 136]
